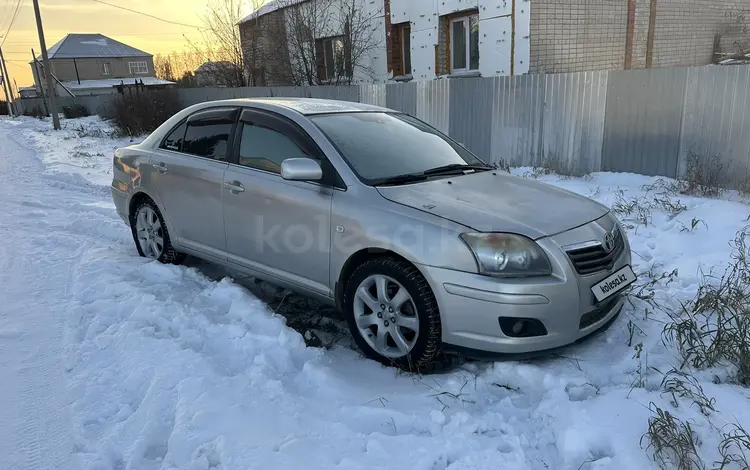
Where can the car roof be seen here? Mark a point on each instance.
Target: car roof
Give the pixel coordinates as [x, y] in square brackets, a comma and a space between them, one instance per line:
[307, 106]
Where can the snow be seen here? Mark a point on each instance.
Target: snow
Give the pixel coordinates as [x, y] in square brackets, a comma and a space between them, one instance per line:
[109, 361]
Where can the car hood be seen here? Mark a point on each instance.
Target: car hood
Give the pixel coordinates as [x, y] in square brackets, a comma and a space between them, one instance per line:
[499, 202]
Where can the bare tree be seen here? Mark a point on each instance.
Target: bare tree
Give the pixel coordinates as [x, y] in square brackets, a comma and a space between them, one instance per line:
[174, 66]
[312, 42]
[163, 67]
[221, 42]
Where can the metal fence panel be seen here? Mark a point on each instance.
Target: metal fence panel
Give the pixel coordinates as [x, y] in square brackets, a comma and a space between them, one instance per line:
[715, 122]
[573, 121]
[515, 134]
[433, 103]
[644, 119]
[471, 114]
[402, 97]
[372, 93]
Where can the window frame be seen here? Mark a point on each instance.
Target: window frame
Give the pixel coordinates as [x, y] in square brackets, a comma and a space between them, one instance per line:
[466, 20]
[333, 75]
[105, 68]
[135, 68]
[287, 127]
[406, 35]
[203, 114]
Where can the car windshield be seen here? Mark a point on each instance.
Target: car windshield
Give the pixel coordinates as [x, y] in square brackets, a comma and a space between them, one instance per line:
[379, 146]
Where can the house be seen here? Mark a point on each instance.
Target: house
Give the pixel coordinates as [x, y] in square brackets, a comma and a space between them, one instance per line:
[428, 39]
[218, 73]
[92, 64]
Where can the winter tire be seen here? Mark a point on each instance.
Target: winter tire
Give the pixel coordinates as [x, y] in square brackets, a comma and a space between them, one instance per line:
[151, 235]
[392, 314]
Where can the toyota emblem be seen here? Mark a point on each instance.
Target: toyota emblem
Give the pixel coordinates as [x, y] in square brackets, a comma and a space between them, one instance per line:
[609, 241]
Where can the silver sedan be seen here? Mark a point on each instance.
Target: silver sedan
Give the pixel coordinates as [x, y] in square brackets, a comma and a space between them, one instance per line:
[420, 243]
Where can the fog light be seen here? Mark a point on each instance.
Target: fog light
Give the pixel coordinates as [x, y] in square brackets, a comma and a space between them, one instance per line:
[517, 327]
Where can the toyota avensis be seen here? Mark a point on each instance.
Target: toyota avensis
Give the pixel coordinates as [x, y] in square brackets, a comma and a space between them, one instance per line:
[421, 244]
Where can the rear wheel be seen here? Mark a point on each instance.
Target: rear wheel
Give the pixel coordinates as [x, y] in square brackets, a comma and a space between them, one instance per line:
[392, 314]
[151, 235]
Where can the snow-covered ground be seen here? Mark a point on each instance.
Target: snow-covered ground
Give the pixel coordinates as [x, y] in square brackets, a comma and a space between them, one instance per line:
[108, 361]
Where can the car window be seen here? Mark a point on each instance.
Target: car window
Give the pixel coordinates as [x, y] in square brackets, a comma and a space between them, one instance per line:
[382, 145]
[174, 140]
[265, 149]
[208, 137]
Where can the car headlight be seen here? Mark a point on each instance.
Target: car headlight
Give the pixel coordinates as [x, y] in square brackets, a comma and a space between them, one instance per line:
[507, 254]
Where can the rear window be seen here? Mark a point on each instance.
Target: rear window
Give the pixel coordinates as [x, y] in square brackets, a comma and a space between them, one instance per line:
[208, 138]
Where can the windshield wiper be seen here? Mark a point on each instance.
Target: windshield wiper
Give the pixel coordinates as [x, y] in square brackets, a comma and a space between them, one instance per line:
[454, 168]
[400, 179]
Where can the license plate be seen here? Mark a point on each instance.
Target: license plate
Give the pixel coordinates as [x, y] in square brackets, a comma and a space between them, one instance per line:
[614, 283]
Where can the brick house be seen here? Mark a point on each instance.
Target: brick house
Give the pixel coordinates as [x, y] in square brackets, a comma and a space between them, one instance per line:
[89, 64]
[426, 39]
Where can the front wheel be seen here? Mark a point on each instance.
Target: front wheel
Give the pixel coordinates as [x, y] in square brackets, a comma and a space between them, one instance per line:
[392, 314]
[151, 235]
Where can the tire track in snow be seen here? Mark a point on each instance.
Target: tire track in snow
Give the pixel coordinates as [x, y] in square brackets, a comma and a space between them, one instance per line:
[36, 272]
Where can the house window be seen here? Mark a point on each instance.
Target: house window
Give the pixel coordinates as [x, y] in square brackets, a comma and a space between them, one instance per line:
[464, 33]
[331, 58]
[406, 49]
[399, 60]
[105, 68]
[138, 67]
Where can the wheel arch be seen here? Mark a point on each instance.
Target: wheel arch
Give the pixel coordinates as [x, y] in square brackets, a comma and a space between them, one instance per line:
[357, 259]
[137, 198]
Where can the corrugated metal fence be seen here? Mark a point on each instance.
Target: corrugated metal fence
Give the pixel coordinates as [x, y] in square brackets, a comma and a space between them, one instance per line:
[643, 121]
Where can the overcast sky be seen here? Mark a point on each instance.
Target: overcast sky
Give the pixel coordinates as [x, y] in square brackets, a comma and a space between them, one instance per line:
[86, 16]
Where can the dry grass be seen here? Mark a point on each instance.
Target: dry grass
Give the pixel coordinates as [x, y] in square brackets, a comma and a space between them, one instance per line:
[714, 328]
[673, 443]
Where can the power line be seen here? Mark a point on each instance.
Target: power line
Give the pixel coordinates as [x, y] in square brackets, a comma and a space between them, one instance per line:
[146, 14]
[12, 20]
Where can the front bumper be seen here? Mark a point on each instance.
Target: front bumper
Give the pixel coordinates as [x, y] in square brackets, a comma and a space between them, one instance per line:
[473, 306]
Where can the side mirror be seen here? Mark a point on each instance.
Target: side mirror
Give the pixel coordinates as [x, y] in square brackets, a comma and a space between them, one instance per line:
[301, 169]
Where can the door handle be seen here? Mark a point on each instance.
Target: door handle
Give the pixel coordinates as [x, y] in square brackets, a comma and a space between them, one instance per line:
[235, 187]
[161, 167]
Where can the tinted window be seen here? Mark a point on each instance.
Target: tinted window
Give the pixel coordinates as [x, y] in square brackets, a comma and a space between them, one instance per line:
[265, 148]
[175, 138]
[208, 138]
[382, 145]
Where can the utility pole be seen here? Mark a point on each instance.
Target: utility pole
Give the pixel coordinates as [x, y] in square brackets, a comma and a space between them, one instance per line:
[48, 69]
[38, 81]
[6, 83]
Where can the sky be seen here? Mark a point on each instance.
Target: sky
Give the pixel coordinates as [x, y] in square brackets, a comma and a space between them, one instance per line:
[61, 17]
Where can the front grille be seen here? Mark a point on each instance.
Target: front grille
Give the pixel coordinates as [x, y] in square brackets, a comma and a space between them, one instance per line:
[594, 316]
[595, 258]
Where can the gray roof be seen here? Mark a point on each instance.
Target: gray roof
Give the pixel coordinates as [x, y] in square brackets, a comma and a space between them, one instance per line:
[74, 46]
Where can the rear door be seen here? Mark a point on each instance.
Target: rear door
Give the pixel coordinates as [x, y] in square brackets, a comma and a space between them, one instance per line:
[188, 172]
[279, 227]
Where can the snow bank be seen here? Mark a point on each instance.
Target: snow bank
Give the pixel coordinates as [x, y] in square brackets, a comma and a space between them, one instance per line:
[80, 152]
[171, 370]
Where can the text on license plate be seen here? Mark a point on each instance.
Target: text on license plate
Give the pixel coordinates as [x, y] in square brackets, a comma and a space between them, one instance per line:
[613, 283]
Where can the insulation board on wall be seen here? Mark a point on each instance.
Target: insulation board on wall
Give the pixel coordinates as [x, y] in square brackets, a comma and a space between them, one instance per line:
[494, 46]
[423, 54]
[400, 11]
[446, 7]
[522, 55]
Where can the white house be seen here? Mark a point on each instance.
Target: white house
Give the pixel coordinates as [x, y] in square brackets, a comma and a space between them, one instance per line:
[428, 39]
